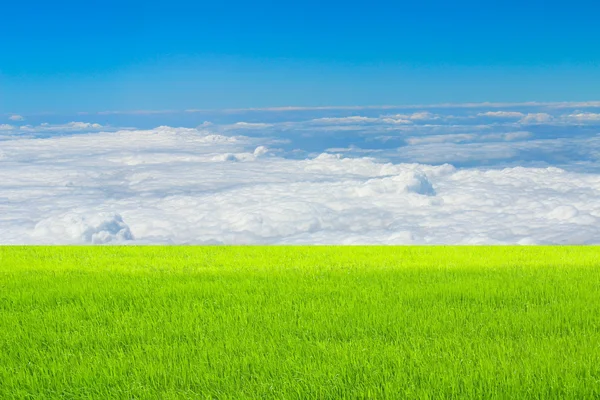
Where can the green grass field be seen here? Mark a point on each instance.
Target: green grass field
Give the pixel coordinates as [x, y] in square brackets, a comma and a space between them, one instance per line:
[299, 322]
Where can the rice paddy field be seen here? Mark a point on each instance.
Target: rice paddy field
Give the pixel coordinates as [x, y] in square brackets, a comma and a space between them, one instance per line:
[222, 322]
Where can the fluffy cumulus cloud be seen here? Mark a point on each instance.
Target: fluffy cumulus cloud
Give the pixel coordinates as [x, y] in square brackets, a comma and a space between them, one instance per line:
[219, 184]
[83, 227]
[16, 117]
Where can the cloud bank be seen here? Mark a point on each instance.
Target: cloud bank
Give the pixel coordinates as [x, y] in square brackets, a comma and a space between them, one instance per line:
[261, 182]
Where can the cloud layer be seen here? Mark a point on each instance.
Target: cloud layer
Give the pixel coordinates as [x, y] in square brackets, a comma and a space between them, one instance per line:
[423, 177]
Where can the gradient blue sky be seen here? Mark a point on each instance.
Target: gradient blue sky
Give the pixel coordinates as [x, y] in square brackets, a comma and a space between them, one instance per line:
[70, 56]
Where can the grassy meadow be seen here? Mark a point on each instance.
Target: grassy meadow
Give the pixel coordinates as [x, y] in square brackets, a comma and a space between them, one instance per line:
[299, 322]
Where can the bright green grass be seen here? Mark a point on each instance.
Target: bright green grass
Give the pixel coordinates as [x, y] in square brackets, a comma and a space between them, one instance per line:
[299, 322]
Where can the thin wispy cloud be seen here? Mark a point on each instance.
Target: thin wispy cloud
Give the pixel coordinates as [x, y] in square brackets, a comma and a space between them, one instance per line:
[502, 114]
[536, 118]
[584, 117]
[291, 109]
[557, 105]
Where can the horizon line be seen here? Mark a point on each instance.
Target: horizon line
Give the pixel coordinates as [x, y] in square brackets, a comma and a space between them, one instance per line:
[558, 104]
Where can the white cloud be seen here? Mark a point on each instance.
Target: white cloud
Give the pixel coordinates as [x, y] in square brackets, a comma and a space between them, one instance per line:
[345, 120]
[260, 151]
[78, 125]
[180, 185]
[417, 116]
[573, 153]
[357, 121]
[423, 116]
[584, 117]
[68, 127]
[575, 104]
[468, 137]
[394, 121]
[514, 135]
[536, 118]
[16, 117]
[502, 114]
[5, 127]
[248, 125]
[351, 149]
[87, 228]
[452, 138]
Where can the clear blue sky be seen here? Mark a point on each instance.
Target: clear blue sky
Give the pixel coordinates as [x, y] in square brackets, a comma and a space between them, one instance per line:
[68, 56]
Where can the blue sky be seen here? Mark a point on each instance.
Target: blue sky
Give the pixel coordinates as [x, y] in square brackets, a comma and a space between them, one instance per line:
[70, 56]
